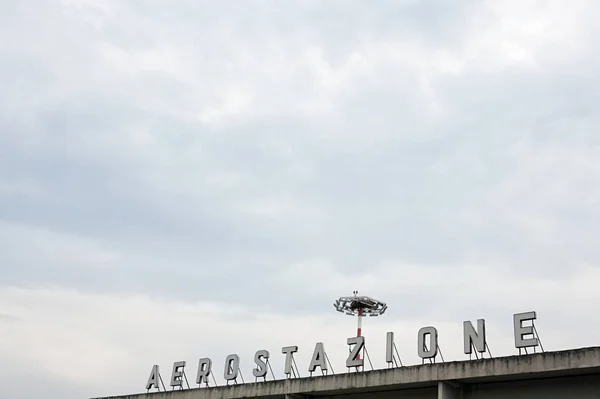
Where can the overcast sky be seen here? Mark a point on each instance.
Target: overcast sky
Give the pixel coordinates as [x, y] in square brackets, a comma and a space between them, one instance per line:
[182, 179]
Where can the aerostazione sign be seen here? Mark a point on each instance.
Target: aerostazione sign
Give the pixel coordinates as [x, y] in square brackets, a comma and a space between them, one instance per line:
[525, 336]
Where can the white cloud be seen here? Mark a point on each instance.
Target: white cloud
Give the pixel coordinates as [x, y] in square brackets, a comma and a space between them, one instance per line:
[41, 248]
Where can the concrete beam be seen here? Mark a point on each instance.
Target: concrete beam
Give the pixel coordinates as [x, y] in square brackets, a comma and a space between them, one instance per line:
[530, 366]
[448, 390]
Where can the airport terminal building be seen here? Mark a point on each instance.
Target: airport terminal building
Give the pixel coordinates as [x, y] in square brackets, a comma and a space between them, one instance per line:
[571, 374]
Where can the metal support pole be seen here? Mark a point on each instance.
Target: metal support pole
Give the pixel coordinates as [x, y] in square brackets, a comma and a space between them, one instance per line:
[359, 330]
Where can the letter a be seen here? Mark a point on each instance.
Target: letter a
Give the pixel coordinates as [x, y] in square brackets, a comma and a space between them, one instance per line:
[153, 379]
[318, 358]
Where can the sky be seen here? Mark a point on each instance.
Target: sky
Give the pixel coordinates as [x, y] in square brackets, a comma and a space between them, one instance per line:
[186, 179]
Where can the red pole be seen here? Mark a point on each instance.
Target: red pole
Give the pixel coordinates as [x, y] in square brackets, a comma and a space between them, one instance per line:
[359, 329]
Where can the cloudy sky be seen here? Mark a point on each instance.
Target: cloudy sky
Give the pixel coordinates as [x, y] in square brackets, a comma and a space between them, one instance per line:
[181, 179]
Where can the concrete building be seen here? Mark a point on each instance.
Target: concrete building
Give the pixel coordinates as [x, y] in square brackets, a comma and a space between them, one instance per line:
[570, 374]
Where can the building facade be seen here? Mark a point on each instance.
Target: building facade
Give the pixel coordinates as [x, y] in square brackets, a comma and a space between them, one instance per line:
[570, 374]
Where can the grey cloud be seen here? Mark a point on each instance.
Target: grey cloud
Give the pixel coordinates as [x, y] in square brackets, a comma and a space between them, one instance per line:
[8, 317]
